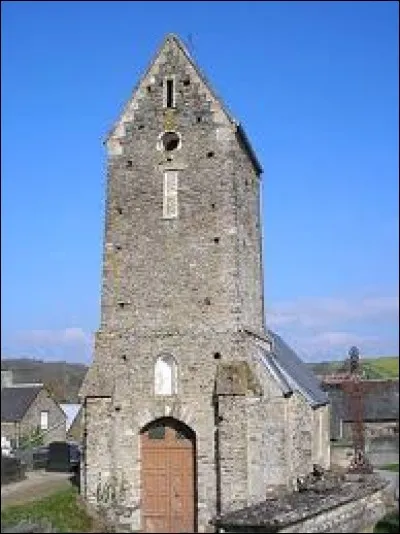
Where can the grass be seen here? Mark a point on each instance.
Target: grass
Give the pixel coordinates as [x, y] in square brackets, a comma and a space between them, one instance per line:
[383, 367]
[61, 509]
[390, 523]
[390, 467]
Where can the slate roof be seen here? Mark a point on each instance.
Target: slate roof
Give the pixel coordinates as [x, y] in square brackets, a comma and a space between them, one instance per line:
[302, 376]
[291, 372]
[16, 401]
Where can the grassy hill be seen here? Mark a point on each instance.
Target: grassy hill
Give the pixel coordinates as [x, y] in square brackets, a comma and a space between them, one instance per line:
[379, 367]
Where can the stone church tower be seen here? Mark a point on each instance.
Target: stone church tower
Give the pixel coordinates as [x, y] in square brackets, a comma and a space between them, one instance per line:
[191, 407]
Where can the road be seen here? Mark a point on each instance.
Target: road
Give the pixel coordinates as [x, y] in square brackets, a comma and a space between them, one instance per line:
[38, 484]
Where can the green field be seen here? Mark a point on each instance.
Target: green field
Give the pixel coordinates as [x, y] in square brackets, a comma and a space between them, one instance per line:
[61, 510]
[378, 367]
[385, 367]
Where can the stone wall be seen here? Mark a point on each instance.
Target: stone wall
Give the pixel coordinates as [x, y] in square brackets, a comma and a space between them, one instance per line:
[355, 516]
[321, 436]
[351, 507]
[56, 418]
[380, 451]
[186, 287]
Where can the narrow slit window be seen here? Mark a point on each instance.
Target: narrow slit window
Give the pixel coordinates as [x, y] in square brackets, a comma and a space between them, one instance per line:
[170, 195]
[169, 93]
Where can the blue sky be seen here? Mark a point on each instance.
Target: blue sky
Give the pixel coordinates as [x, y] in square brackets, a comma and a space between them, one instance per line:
[316, 87]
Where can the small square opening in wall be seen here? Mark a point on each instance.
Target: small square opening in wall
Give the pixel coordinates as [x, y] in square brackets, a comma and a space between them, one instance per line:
[186, 81]
[210, 154]
[129, 163]
[119, 210]
[216, 240]
[217, 355]
[121, 305]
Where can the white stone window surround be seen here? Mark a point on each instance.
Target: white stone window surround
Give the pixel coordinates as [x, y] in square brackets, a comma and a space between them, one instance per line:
[165, 375]
[44, 420]
[170, 194]
[160, 146]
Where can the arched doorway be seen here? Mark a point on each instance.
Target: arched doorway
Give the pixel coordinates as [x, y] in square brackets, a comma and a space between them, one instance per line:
[168, 477]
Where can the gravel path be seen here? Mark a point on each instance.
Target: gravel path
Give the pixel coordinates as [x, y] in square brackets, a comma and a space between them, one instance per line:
[38, 484]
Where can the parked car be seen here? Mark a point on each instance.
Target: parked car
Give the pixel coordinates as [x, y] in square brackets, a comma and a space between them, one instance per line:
[63, 456]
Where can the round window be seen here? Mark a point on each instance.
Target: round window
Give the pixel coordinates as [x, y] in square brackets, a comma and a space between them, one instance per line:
[170, 141]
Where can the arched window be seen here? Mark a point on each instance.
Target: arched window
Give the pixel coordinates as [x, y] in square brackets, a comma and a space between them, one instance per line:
[166, 375]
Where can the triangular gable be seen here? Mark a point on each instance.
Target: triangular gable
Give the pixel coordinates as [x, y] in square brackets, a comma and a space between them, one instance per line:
[223, 116]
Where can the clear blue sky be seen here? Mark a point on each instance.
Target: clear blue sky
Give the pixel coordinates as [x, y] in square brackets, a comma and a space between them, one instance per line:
[316, 87]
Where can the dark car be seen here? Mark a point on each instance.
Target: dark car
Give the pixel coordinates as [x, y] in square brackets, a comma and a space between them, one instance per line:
[63, 456]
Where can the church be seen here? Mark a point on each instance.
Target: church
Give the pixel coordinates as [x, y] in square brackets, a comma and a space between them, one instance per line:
[192, 406]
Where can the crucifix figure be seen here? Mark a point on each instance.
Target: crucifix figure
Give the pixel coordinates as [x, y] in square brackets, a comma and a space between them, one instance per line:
[355, 388]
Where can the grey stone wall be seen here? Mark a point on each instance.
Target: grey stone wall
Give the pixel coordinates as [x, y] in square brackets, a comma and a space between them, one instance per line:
[186, 287]
[321, 436]
[354, 516]
[56, 418]
[9, 430]
[354, 506]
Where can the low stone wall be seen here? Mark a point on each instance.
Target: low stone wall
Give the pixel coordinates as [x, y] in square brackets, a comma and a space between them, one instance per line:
[355, 516]
[380, 451]
[355, 506]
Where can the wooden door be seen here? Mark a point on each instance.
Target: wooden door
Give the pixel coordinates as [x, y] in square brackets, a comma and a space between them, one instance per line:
[168, 477]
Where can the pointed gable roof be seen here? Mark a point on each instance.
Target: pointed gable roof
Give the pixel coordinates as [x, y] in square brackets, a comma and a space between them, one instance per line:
[127, 115]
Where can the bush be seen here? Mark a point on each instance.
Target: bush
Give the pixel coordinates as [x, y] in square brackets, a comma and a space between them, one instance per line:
[389, 524]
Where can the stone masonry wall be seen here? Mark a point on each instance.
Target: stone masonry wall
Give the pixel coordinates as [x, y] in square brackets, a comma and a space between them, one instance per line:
[321, 436]
[185, 287]
[56, 418]
[171, 274]
[300, 436]
[355, 516]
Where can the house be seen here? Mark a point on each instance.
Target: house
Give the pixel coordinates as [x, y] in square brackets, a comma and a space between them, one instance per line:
[28, 410]
[380, 408]
[191, 406]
